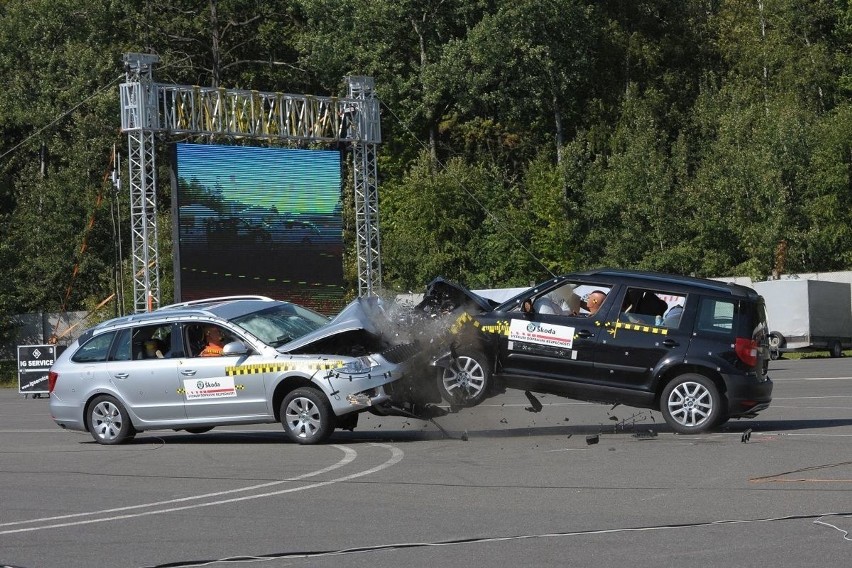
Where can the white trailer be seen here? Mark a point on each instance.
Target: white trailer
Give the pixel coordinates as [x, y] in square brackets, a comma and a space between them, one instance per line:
[807, 315]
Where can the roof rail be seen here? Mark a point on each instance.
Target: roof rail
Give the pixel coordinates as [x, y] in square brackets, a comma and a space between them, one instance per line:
[218, 299]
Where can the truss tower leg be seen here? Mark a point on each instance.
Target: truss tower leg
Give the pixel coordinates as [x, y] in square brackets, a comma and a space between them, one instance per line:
[367, 218]
[143, 220]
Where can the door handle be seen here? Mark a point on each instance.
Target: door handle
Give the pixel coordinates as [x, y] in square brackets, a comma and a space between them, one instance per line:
[121, 375]
[188, 372]
[670, 343]
[585, 333]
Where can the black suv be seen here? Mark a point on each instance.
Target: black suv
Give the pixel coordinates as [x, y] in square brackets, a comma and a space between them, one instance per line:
[695, 349]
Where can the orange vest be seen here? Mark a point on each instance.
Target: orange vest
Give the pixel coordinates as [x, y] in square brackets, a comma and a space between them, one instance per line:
[211, 351]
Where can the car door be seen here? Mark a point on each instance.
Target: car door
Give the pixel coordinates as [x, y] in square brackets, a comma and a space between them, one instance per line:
[224, 386]
[646, 332]
[149, 387]
[548, 348]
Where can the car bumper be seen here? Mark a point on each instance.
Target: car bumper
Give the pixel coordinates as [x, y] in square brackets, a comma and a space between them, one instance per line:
[747, 396]
[66, 415]
[356, 392]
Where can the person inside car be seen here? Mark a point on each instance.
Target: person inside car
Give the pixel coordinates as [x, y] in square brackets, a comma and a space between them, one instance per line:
[594, 301]
[215, 342]
[154, 349]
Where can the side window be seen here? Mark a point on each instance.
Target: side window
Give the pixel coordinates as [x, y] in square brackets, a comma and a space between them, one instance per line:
[568, 299]
[152, 342]
[94, 350]
[122, 351]
[652, 307]
[206, 340]
[715, 315]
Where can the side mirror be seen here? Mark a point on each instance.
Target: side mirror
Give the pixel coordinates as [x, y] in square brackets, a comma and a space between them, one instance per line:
[235, 348]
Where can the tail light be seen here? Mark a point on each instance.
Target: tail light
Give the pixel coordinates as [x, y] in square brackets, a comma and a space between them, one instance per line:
[51, 381]
[746, 350]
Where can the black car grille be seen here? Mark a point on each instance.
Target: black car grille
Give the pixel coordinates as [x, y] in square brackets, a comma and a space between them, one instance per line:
[399, 353]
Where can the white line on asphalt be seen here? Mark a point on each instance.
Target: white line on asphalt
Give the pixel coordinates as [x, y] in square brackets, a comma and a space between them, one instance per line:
[396, 457]
[349, 456]
[812, 379]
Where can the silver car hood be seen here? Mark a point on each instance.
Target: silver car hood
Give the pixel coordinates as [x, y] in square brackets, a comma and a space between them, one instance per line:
[366, 314]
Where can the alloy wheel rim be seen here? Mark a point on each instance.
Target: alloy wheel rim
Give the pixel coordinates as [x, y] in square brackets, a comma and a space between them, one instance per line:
[466, 378]
[303, 417]
[107, 420]
[690, 404]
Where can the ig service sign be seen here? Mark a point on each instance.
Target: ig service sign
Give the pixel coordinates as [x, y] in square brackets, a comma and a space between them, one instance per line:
[34, 362]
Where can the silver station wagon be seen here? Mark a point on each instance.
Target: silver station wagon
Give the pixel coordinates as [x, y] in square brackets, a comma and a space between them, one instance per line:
[277, 362]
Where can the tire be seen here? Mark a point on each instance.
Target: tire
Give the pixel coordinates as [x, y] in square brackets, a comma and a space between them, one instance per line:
[691, 404]
[776, 343]
[467, 381]
[835, 349]
[199, 429]
[109, 422]
[307, 416]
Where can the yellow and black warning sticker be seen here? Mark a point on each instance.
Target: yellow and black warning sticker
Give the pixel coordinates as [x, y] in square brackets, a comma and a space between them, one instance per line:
[614, 326]
[324, 365]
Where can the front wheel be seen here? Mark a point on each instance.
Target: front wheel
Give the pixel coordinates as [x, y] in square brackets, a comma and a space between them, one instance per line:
[108, 421]
[307, 416]
[691, 404]
[466, 381]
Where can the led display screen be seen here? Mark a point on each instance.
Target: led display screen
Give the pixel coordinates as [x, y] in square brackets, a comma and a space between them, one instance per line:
[264, 221]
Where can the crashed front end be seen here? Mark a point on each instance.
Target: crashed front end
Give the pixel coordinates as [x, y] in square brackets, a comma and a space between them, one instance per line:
[409, 341]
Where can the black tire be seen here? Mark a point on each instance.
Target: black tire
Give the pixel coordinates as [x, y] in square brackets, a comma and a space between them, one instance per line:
[776, 343]
[199, 429]
[108, 421]
[835, 349]
[307, 416]
[467, 381]
[691, 404]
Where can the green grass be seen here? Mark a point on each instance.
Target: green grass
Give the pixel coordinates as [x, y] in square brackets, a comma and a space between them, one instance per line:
[8, 374]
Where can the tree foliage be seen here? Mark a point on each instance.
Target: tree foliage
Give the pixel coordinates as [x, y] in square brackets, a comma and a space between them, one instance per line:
[522, 138]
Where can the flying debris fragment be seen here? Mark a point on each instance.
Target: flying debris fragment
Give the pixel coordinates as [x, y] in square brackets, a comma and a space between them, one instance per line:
[535, 402]
[591, 440]
[746, 436]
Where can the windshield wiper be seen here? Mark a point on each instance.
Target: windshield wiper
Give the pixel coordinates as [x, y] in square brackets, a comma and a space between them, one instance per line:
[282, 339]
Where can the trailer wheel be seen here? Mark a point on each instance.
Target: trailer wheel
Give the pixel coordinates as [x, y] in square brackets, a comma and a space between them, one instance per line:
[835, 349]
[776, 343]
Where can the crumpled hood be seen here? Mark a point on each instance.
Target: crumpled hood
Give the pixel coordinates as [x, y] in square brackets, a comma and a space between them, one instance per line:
[366, 313]
[442, 295]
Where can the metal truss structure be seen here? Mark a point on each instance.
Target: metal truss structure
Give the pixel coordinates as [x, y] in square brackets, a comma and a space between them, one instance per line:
[149, 108]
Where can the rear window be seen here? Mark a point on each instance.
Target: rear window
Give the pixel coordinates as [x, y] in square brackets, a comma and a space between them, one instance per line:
[94, 350]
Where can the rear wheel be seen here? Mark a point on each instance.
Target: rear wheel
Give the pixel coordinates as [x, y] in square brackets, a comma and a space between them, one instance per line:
[108, 421]
[835, 349]
[691, 403]
[467, 380]
[307, 416]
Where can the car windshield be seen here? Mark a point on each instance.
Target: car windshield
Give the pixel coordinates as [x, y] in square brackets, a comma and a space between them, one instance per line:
[281, 324]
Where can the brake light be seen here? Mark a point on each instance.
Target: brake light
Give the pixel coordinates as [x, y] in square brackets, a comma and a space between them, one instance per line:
[746, 350]
[51, 381]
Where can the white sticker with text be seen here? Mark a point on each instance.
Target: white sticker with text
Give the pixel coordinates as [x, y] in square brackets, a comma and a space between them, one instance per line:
[541, 333]
[220, 387]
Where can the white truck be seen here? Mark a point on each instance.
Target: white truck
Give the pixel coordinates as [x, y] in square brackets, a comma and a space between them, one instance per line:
[807, 315]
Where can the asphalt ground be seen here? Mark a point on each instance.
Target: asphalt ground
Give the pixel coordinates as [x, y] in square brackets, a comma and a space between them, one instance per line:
[575, 484]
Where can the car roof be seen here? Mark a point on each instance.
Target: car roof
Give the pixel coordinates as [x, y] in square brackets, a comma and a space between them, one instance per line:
[660, 278]
[646, 278]
[227, 307]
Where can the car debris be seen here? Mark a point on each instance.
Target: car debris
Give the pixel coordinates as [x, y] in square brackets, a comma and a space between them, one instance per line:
[534, 401]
